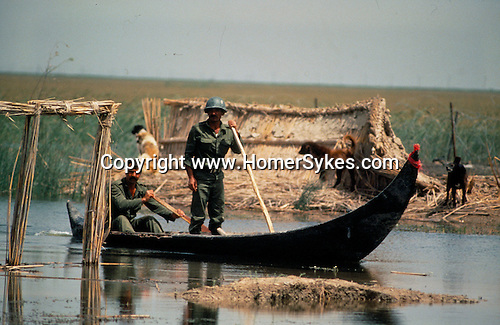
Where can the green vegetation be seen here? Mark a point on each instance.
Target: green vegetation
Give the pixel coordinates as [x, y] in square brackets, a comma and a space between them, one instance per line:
[307, 195]
[418, 116]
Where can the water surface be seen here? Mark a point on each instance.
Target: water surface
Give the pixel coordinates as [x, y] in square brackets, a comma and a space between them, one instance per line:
[145, 283]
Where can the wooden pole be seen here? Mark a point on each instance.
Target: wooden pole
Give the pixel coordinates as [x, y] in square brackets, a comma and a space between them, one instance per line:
[183, 216]
[254, 184]
[453, 132]
[24, 188]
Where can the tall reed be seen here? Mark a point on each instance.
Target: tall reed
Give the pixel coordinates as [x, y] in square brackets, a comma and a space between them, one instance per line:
[433, 131]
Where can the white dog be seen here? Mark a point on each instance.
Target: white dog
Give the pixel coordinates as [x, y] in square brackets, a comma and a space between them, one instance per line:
[146, 143]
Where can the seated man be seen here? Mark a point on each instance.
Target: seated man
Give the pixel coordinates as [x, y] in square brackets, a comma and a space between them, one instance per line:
[127, 198]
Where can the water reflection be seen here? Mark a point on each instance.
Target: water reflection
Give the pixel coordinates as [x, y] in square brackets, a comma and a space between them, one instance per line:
[382, 316]
[212, 274]
[458, 264]
[90, 295]
[14, 298]
[120, 268]
[194, 313]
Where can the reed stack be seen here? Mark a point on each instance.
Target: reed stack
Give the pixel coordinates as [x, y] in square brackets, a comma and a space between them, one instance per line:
[152, 116]
[24, 188]
[96, 213]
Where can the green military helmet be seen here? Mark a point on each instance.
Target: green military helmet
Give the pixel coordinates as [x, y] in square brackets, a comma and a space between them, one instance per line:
[216, 102]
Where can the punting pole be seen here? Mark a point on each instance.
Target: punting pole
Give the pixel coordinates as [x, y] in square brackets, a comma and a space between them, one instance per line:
[453, 132]
[254, 184]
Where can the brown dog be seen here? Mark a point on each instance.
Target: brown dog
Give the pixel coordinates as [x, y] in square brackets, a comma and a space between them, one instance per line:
[457, 179]
[320, 151]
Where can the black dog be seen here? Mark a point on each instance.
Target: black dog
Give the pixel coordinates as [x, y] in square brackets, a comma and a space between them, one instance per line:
[457, 179]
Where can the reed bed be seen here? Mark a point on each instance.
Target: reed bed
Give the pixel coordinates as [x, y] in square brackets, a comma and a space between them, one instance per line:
[474, 133]
[418, 116]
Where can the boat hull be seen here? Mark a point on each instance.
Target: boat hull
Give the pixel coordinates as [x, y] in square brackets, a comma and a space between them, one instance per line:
[346, 239]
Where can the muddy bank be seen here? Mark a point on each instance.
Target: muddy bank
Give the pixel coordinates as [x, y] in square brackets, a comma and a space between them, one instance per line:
[296, 293]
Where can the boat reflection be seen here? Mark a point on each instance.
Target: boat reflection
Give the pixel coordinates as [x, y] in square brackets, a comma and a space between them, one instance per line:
[120, 268]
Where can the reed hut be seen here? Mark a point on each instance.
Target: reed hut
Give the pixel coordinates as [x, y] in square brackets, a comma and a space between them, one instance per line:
[278, 131]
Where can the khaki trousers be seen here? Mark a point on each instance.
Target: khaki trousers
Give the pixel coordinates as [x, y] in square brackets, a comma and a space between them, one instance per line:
[143, 224]
[208, 198]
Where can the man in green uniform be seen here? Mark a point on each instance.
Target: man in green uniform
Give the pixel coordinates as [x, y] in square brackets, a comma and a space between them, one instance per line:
[210, 139]
[127, 198]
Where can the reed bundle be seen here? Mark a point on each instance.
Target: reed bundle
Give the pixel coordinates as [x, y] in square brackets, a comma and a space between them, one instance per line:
[57, 107]
[24, 188]
[96, 203]
[270, 109]
[152, 116]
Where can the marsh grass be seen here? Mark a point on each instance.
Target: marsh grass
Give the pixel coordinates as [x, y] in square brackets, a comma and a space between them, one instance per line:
[433, 131]
[310, 190]
[418, 116]
[56, 143]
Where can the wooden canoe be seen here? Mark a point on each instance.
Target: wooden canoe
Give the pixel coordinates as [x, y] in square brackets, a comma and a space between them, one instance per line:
[343, 240]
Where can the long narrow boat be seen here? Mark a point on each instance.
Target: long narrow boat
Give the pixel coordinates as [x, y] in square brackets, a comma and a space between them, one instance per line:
[346, 239]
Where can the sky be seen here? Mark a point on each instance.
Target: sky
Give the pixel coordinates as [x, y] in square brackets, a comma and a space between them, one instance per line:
[375, 43]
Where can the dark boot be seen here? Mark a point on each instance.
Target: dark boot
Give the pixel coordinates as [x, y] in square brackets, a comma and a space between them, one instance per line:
[195, 225]
[213, 226]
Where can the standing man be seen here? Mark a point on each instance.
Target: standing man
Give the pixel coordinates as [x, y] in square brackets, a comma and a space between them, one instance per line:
[210, 139]
[127, 198]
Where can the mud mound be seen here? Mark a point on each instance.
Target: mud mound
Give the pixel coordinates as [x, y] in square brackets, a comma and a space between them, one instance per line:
[295, 293]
